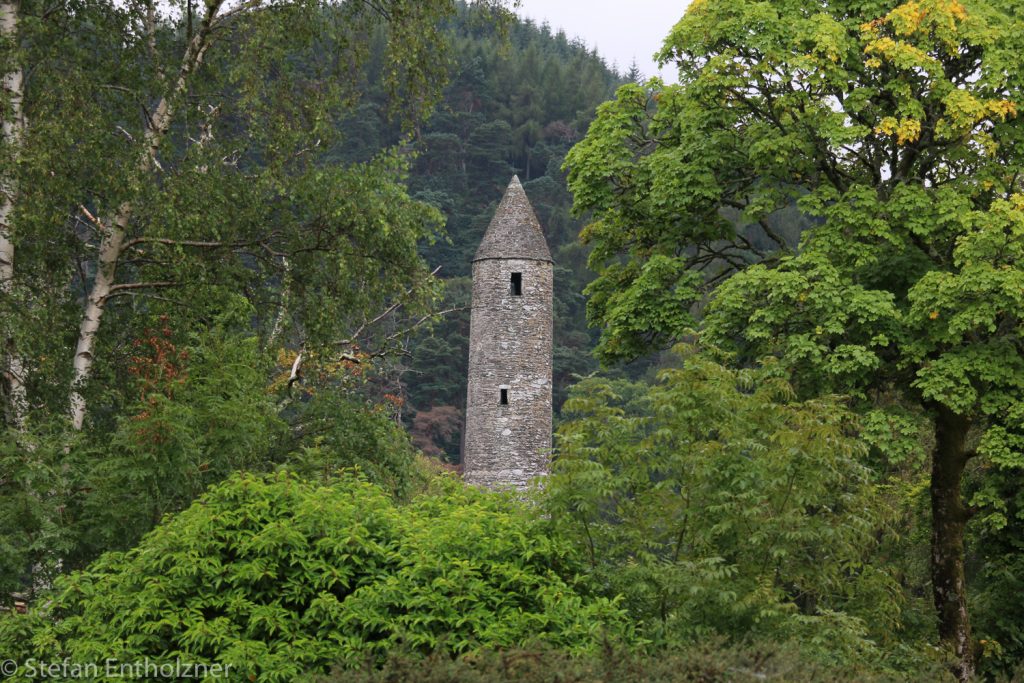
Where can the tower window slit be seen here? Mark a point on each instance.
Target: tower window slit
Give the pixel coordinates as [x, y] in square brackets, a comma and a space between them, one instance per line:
[504, 397]
[517, 284]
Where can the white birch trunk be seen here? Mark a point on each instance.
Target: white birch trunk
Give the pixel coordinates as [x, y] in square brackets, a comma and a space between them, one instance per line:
[282, 309]
[110, 251]
[13, 127]
[113, 239]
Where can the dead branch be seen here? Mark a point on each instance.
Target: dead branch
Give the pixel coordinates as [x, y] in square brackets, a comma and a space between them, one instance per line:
[199, 244]
[115, 290]
[388, 311]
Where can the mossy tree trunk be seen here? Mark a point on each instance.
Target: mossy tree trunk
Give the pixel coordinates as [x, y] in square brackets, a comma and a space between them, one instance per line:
[949, 522]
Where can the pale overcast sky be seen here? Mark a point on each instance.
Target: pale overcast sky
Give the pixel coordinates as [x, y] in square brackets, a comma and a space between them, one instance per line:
[621, 29]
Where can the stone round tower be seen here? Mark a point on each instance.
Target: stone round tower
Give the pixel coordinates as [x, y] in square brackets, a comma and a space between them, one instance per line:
[508, 404]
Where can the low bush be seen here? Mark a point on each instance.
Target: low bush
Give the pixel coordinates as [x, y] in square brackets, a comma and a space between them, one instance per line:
[278, 579]
[711, 662]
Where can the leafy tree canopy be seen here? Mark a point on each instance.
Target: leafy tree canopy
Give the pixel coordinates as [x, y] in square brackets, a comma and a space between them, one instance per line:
[717, 502]
[200, 412]
[894, 128]
[178, 228]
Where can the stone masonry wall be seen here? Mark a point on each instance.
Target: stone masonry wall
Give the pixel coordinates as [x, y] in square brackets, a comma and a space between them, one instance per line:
[510, 345]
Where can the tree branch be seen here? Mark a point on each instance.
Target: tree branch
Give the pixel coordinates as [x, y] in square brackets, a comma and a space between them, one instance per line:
[389, 310]
[117, 290]
[199, 244]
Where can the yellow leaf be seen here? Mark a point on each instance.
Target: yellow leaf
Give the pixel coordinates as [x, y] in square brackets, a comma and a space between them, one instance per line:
[905, 130]
[958, 11]
[1003, 109]
[909, 131]
[887, 126]
[907, 18]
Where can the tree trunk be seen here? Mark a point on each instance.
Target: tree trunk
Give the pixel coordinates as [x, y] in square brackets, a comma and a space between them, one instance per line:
[949, 522]
[282, 309]
[113, 240]
[13, 127]
[110, 252]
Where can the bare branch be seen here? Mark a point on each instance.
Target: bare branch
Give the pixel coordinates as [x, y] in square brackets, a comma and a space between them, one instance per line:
[124, 287]
[119, 88]
[378, 8]
[245, 7]
[151, 295]
[296, 374]
[306, 150]
[385, 347]
[199, 244]
[93, 219]
[388, 311]
[774, 236]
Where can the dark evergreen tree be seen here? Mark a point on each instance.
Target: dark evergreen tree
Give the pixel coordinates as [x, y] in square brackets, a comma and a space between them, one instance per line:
[633, 75]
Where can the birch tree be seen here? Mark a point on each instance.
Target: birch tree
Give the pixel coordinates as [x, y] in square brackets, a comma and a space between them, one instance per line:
[13, 125]
[121, 230]
[183, 162]
[113, 232]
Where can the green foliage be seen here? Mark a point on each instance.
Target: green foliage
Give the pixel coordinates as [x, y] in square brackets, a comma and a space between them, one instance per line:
[655, 304]
[709, 662]
[200, 415]
[248, 163]
[202, 411]
[33, 517]
[475, 572]
[893, 129]
[279, 578]
[337, 429]
[836, 340]
[244, 231]
[289, 149]
[716, 502]
[999, 606]
[657, 171]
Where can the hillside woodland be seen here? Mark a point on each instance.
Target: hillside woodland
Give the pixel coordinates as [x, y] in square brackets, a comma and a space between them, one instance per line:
[518, 97]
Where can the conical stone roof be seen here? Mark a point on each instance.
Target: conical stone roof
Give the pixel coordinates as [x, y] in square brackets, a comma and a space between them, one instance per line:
[514, 231]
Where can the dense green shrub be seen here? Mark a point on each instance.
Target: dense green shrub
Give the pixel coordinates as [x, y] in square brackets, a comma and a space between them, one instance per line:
[706, 663]
[474, 569]
[336, 428]
[716, 502]
[278, 578]
[198, 412]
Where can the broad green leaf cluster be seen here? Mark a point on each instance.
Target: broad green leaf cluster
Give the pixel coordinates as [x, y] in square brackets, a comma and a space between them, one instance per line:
[717, 502]
[891, 129]
[280, 579]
